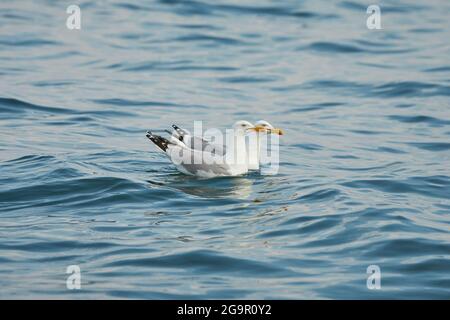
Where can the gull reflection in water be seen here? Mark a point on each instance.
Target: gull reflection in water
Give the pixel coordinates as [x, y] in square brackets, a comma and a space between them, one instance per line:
[223, 187]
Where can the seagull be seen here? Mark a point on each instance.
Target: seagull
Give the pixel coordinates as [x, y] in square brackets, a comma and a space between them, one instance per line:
[254, 147]
[205, 163]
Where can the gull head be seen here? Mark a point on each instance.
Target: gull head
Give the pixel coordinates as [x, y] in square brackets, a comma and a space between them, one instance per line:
[264, 126]
[242, 127]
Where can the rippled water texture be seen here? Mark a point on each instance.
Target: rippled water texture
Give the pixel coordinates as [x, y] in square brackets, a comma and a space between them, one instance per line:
[365, 170]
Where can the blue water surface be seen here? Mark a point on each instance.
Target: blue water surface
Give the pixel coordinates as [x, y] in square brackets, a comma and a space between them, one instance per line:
[365, 161]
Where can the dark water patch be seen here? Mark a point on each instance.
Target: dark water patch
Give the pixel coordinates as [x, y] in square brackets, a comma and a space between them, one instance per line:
[299, 220]
[385, 8]
[308, 146]
[358, 87]
[345, 156]
[132, 6]
[13, 16]
[179, 65]
[367, 169]
[387, 90]
[54, 246]
[308, 228]
[424, 30]
[209, 38]
[86, 186]
[431, 146]
[406, 247]
[247, 79]
[438, 69]
[353, 5]
[432, 186]
[374, 44]
[31, 158]
[136, 198]
[152, 294]
[420, 119]
[139, 103]
[197, 7]
[317, 106]
[411, 89]
[391, 150]
[368, 132]
[198, 27]
[109, 113]
[320, 195]
[53, 83]
[38, 165]
[404, 105]
[332, 47]
[200, 261]
[11, 105]
[377, 65]
[64, 257]
[342, 237]
[34, 42]
[126, 102]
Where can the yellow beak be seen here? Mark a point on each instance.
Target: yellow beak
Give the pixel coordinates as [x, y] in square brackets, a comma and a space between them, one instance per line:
[265, 129]
[276, 131]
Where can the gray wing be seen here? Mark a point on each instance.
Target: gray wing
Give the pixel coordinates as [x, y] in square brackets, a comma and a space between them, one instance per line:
[198, 143]
[197, 162]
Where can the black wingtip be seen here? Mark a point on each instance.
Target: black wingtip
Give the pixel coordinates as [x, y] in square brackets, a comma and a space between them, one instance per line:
[161, 142]
[180, 132]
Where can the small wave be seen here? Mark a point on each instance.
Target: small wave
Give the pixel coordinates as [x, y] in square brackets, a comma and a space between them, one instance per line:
[411, 88]
[201, 261]
[433, 186]
[420, 119]
[126, 102]
[201, 8]
[438, 69]
[317, 106]
[332, 47]
[168, 66]
[387, 90]
[350, 48]
[431, 146]
[71, 192]
[307, 228]
[10, 105]
[386, 8]
[320, 195]
[211, 39]
[55, 246]
[391, 150]
[308, 146]
[248, 79]
[139, 103]
[27, 42]
[406, 247]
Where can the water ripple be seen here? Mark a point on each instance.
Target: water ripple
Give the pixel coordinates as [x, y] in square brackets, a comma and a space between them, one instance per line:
[364, 165]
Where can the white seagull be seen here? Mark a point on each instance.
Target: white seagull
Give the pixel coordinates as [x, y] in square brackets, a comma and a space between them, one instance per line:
[254, 147]
[212, 160]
